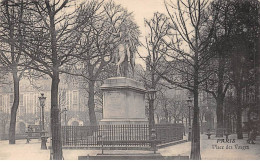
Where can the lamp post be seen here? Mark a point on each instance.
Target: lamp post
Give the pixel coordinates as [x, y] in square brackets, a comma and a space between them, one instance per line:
[151, 95]
[42, 104]
[189, 101]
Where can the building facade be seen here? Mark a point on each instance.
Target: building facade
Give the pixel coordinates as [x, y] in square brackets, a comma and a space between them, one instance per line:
[72, 96]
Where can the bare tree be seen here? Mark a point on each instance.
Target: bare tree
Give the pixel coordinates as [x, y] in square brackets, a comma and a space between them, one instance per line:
[109, 26]
[202, 114]
[177, 110]
[163, 106]
[231, 28]
[12, 25]
[171, 108]
[158, 28]
[245, 37]
[228, 31]
[188, 19]
[219, 82]
[50, 45]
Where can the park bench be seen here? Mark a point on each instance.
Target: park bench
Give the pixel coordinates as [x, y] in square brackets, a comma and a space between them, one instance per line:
[226, 134]
[208, 134]
[153, 143]
[34, 135]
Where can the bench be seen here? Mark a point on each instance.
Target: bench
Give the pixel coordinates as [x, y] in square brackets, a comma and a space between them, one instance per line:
[153, 143]
[34, 135]
[208, 134]
[226, 134]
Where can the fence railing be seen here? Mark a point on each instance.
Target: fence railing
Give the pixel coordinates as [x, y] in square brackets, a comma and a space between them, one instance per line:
[90, 135]
[17, 136]
[169, 132]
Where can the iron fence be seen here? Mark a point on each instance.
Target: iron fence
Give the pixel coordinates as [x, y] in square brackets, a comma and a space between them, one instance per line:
[169, 132]
[90, 135]
[17, 136]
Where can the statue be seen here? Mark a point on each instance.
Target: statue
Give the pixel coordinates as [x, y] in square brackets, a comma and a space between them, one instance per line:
[124, 56]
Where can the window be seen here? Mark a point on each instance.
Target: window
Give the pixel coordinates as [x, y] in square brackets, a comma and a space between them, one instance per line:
[1, 102]
[63, 98]
[31, 103]
[75, 97]
[68, 100]
[74, 100]
[35, 97]
[11, 98]
[5, 103]
[21, 100]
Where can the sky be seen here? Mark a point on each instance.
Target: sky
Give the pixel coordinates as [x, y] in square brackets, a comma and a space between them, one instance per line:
[142, 9]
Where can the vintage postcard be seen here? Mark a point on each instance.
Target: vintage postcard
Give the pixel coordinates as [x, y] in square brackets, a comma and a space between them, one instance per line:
[129, 80]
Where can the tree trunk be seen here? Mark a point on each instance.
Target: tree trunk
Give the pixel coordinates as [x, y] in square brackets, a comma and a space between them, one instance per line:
[16, 85]
[220, 95]
[201, 128]
[234, 125]
[186, 121]
[55, 112]
[91, 103]
[175, 120]
[166, 115]
[14, 109]
[195, 135]
[219, 110]
[55, 118]
[151, 116]
[257, 79]
[239, 115]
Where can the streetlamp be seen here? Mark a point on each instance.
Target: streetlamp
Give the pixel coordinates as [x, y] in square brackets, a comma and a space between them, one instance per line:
[189, 102]
[42, 104]
[151, 94]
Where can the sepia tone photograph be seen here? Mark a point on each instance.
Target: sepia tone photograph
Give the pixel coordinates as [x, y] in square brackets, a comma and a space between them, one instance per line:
[129, 80]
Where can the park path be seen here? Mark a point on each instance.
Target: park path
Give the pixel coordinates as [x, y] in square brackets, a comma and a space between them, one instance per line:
[210, 152]
[22, 151]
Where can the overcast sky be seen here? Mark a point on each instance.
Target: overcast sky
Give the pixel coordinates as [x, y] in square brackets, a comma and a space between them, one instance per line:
[142, 9]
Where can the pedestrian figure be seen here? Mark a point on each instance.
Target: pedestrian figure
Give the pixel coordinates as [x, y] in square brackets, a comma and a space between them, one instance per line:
[29, 133]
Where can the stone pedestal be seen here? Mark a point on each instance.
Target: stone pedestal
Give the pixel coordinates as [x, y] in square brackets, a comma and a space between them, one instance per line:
[123, 102]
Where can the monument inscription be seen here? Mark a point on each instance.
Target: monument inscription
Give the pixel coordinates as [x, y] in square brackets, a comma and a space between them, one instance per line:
[114, 104]
[124, 101]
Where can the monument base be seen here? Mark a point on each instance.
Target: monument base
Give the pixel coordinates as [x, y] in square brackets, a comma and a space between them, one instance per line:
[123, 102]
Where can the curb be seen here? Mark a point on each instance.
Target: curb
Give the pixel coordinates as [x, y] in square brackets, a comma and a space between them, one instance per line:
[171, 143]
[123, 148]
